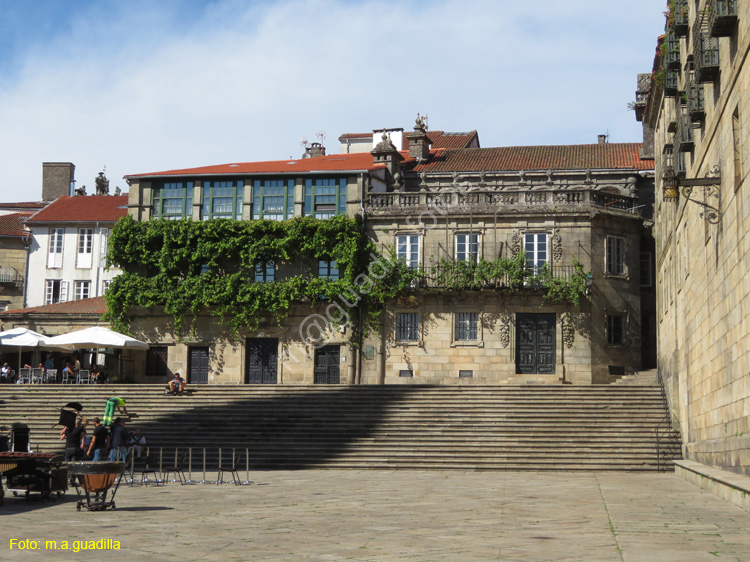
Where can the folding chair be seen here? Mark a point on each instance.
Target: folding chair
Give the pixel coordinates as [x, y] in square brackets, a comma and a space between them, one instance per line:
[178, 470]
[51, 376]
[37, 376]
[233, 469]
[68, 377]
[24, 376]
[149, 465]
[84, 377]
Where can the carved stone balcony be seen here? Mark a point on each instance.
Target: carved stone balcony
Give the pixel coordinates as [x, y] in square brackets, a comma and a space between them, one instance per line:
[460, 276]
[722, 17]
[447, 203]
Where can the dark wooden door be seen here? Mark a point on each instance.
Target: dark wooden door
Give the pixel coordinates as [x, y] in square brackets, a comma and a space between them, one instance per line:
[198, 368]
[535, 344]
[261, 363]
[327, 366]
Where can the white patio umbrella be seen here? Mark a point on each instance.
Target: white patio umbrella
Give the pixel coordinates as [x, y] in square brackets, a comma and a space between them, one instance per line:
[24, 338]
[98, 336]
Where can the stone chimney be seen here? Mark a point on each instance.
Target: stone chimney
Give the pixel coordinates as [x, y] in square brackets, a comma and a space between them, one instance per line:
[386, 153]
[602, 139]
[58, 179]
[314, 150]
[419, 142]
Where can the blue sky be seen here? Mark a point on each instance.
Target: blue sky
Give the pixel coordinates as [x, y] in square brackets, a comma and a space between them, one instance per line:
[141, 86]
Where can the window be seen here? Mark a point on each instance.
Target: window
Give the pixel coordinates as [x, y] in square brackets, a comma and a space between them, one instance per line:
[647, 275]
[85, 244]
[222, 199]
[156, 362]
[467, 247]
[407, 249]
[535, 245]
[103, 242]
[328, 270]
[54, 257]
[172, 200]
[55, 291]
[82, 290]
[407, 326]
[325, 197]
[467, 326]
[615, 255]
[615, 329]
[273, 199]
[265, 272]
[105, 285]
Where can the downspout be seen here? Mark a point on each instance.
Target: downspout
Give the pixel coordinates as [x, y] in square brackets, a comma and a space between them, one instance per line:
[26, 241]
[98, 259]
[360, 337]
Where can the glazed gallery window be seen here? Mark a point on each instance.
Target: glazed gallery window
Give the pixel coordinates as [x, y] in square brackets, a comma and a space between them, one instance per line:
[325, 197]
[467, 247]
[407, 249]
[172, 200]
[82, 290]
[273, 199]
[615, 255]
[328, 270]
[466, 326]
[222, 199]
[615, 329]
[55, 291]
[407, 326]
[54, 255]
[535, 246]
[265, 272]
[85, 248]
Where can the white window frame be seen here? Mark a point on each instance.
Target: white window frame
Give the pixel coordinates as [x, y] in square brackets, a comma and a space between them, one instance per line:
[82, 290]
[466, 247]
[103, 242]
[49, 291]
[536, 248]
[55, 248]
[85, 248]
[615, 256]
[407, 249]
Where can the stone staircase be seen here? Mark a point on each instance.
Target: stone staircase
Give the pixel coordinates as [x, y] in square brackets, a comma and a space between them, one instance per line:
[639, 378]
[534, 427]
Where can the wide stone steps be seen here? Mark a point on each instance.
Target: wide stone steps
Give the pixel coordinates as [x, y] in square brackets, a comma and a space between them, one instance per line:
[488, 427]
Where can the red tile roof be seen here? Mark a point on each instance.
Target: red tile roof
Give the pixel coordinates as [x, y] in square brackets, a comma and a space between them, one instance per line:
[96, 305]
[91, 208]
[12, 225]
[358, 162]
[516, 158]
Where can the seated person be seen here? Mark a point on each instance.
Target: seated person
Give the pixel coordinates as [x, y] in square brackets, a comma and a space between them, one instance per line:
[6, 373]
[177, 384]
[96, 375]
[138, 442]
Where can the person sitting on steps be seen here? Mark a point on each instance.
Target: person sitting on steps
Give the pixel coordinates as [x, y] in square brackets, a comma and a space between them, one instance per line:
[176, 386]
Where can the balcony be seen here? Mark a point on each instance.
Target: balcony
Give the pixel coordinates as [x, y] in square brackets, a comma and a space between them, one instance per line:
[695, 101]
[9, 276]
[722, 17]
[705, 56]
[681, 14]
[462, 276]
[671, 79]
[435, 204]
[683, 137]
[672, 58]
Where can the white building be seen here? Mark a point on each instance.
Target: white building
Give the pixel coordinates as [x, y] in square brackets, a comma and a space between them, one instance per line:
[67, 254]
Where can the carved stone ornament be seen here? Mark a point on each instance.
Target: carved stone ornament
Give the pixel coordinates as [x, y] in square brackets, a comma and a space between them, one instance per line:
[515, 242]
[568, 332]
[557, 250]
[504, 330]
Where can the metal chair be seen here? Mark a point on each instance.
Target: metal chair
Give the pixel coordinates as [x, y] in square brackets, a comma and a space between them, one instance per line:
[68, 377]
[233, 469]
[50, 376]
[37, 376]
[149, 465]
[84, 377]
[178, 470]
[24, 376]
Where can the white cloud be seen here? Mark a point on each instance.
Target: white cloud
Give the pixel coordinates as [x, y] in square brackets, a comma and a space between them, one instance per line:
[147, 88]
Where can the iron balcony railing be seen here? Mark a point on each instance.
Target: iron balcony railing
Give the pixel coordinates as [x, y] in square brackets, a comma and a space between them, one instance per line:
[672, 59]
[705, 52]
[695, 100]
[9, 275]
[462, 276]
[671, 82]
[683, 137]
[681, 14]
[444, 203]
[722, 17]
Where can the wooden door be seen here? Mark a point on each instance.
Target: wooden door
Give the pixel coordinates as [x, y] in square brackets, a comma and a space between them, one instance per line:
[327, 367]
[261, 363]
[535, 344]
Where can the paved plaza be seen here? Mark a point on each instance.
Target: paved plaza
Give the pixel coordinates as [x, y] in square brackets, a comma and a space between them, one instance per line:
[394, 515]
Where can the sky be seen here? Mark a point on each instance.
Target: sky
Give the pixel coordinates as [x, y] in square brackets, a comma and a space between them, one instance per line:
[143, 86]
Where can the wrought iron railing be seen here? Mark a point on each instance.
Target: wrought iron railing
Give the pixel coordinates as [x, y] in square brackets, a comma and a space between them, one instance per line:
[10, 275]
[444, 203]
[695, 99]
[664, 432]
[672, 59]
[681, 15]
[671, 82]
[463, 276]
[705, 51]
[683, 137]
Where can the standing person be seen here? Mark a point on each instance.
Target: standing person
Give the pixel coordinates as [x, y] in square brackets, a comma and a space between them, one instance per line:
[49, 363]
[119, 440]
[74, 438]
[99, 442]
[109, 409]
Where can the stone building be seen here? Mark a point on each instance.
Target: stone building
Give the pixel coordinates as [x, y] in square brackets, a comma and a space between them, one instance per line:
[697, 103]
[14, 247]
[438, 210]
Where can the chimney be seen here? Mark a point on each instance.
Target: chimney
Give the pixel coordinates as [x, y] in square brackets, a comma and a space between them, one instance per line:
[386, 153]
[58, 179]
[602, 139]
[314, 150]
[419, 142]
